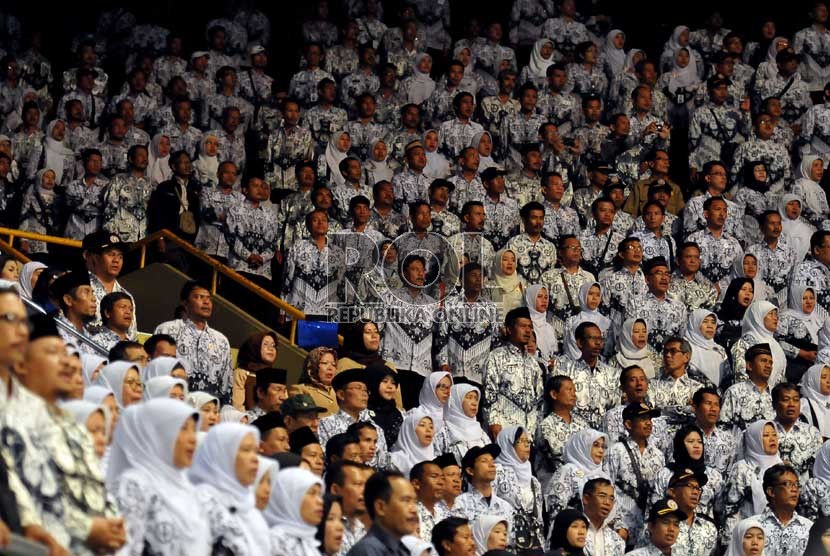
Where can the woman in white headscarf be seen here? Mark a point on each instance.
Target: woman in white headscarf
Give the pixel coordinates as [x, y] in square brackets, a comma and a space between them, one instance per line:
[816, 493]
[229, 414]
[815, 398]
[816, 209]
[165, 387]
[541, 58]
[433, 397]
[709, 360]
[152, 449]
[420, 86]
[437, 164]
[634, 349]
[590, 294]
[483, 143]
[743, 495]
[747, 266]
[94, 418]
[28, 278]
[768, 69]
[39, 211]
[158, 167]
[514, 476]
[417, 547]
[122, 377]
[747, 539]
[92, 365]
[206, 166]
[804, 317]
[294, 511]
[584, 452]
[164, 366]
[336, 150]
[758, 326]
[536, 300]
[224, 472]
[56, 155]
[613, 53]
[680, 84]
[679, 39]
[626, 80]
[414, 443]
[462, 430]
[506, 287]
[208, 407]
[483, 528]
[265, 474]
[471, 82]
[377, 167]
[795, 228]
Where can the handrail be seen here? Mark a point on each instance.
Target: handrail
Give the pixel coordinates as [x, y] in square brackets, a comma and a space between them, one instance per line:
[67, 328]
[142, 244]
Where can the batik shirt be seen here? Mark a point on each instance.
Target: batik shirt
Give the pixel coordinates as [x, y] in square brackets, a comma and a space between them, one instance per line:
[199, 86]
[698, 293]
[665, 317]
[94, 105]
[813, 49]
[617, 465]
[784, 540]
[501, 222]
[184, 140]
[408, 334]
[591, 137]
[717, 254]
[612, 544]
[144, 105]
[255, 87]
[565, 34]
[533, 259]
[613, 425]
[744, 404]
[472, 247]
[313, 276]
[551, 437]
[527, 18]
[815, 498]
[303, 85]
[597, 389]
[207, 354]
[167, 67]
[698, 539]
[562, 109]
[84, 206]
[356, 84]
[455, 135]
[522, 129]
[340, 61]
[583, 199]
[340, 421]
[322, 122]
[80, 138]
[125, 206]
[712, 127]
[799, 446]
[251, 231]
[512, 389]
[815, 129]
[815, 274]
[770, 152]
[27, 149]
[363, 135]
[353, 531]
[621, 289]
[653, 246]
[472, 504]
[674, 396]
[583, 82]
[559, 221]
[494, 113]
[776, 265]
[598, 251]
[227, 530]
[445, 223]
[563, 291]
[391, 225]
[637, 134]
[428, 519]
[523, 187]
[114, 158]
[438, 107]
[286, 149]
[370, 30]
[410, 186]
[324, 32]
[526, 499]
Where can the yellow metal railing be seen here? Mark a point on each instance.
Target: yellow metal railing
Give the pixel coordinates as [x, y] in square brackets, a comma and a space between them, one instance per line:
[216, 267]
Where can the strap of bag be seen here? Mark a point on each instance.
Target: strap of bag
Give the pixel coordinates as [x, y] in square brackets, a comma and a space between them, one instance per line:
[568, 292]
[641, 483]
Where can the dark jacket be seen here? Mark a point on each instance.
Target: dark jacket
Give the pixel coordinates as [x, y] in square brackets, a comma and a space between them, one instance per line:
[163, 207]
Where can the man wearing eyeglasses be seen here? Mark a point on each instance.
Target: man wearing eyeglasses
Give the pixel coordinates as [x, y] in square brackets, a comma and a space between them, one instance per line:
[665, 317]
[353, 400]
[598, 502]
[698, 534]
[785, 532]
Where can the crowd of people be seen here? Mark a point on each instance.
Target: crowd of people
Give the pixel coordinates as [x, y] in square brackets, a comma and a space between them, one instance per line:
[582, 289]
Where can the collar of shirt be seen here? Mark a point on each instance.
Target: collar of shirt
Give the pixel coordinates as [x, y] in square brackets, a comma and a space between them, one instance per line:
[387, 539]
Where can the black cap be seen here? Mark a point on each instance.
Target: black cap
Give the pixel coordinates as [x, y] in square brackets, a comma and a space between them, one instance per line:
[100, 241]
[718, 80]
[492, 173]
[42, 326]
[265, 377]
[445, 460]
[287, 459]
[269, 421]
[68, 282]
[300, 403]
[343, 378]
[599, 165]
[660, 185]
[440, 182]
[475, 452]
[635, 410]
[663, 508]
[653, 263]
[682, 476]
[301, 438]
[756, 350]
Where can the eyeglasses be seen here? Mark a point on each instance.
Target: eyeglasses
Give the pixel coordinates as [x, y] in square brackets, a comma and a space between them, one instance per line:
[660, 273]
[789, 485]
[634, 248]
[134, 384]
[603, 496]
[362, 389]
[572, 248]
[693, 488]
[14, 319]
[442, 387]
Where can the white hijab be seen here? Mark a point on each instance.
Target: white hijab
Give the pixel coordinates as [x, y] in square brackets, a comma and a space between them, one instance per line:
[821, 467]
[798, 232]
[214, 466]
[806, 181]
[683, 78]
[288, 489]
[628, 66]
[229, 414]
[158, 169]
[25, 279]
[421, 85]
[545, 335]
[408, 450]
[813, 320]
[207, 166]
[82, 409]
[585, 315]
[577, 452]
[482, 526]
[46, 195]
[772, 51]
[755, 455]
[112, 377]
[160, 366]
[377, 169]
[707, 356]
[759, 286]
[416, 546]
[56, 152]
[334, 156]
[90, 362]
[160, 386]
[736, 542]
[428, 401]
[197, 400]
[629, 354]
[507, 458]
[538, 65]
[484, 161]
[614, 57]
[437, 165]
[811, 390]
[460, 426]
[97, 394]
[145, 441]
[752, 325]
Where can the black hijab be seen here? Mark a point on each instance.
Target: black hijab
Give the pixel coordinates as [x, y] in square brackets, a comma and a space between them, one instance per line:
[387, 415]
[814, 545]
[749, 176]
[682, 460]
[353, 346]
[730, 309]
[560, 531]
